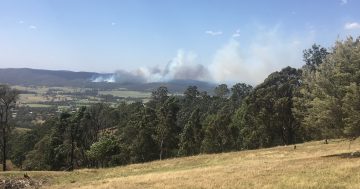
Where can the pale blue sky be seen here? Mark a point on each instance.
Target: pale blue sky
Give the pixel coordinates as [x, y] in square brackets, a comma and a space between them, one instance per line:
[104, 36]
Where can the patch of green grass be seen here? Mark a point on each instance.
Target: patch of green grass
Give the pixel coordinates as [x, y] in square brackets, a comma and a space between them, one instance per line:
[125, 94]
[38, 105]
[21, 130]
[64, 107]
[32, 98]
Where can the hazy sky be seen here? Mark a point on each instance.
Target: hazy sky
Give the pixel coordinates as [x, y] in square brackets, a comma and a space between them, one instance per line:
[231, 40]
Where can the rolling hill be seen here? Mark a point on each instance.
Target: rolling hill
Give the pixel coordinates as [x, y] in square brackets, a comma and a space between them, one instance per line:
[62, 78]
[310, 165]
[27, 76]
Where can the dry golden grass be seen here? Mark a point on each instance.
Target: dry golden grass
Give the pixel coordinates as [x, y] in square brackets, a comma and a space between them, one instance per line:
[311, 165]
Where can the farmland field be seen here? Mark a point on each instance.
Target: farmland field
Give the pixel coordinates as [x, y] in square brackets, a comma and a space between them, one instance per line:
[36, 103]
[126, 94]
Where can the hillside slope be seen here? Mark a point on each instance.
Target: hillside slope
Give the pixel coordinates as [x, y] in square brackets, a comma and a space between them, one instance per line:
[311, 165]
[27, 76]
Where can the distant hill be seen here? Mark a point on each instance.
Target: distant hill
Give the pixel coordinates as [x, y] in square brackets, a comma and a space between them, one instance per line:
[52, 78]
[26, 76]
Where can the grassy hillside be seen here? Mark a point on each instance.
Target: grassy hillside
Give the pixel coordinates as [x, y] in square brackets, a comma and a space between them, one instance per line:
[311, 165]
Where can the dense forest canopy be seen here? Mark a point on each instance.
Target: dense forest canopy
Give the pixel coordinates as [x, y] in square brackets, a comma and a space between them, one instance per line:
[321, 100]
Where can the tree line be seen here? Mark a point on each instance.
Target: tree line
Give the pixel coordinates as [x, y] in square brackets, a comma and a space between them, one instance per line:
[321, 100]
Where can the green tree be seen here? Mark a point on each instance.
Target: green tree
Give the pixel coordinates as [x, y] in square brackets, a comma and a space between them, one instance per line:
[103, 150]
[266, 119]
[351, 108]
[329, 88]
[314, 56]
[74, 133]
[8, 98]
[60, 144]
[221, 91]
[191, 136]
[136, 138]
[158, 97]
[191, 93]
[98, 115]
[166, 131]
[21, 144]
[218, 132]
[188, 103]
[144, 145]
[31, 150]
[40, 158]
[239, 91]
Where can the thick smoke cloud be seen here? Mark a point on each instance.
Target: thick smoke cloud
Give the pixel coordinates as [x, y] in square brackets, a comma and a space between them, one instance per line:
[269, 51]
[250, 62]
[183, 66]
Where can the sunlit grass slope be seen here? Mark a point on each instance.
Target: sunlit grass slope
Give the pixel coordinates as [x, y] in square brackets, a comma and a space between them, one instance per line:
[311, 165]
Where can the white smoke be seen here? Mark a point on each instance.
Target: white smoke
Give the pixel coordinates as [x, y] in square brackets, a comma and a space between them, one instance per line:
[108, 79]
[251, 62]
[183, 66]
[267, 52]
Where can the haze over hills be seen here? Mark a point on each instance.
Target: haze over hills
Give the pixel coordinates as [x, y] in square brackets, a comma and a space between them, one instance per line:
[40, 77]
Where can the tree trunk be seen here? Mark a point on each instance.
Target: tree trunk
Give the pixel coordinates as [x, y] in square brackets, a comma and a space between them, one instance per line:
[4, 124]
[72, 154]
[290, 136]
[283, 135]
[5, 107]
[350, 143]
[161, 149]
[4, 148]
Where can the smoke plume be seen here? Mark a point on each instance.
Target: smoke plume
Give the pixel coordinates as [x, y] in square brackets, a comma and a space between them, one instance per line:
[182, 67]
[250, 62]
[269, 51]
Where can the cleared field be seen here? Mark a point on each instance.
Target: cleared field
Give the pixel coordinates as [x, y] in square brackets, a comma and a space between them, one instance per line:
[36, 98]
[57, 94]
[44, 89]
[32, 98]
[311, 165]
[39, 89]
[38, 105]
[125, 94]
[21, 130]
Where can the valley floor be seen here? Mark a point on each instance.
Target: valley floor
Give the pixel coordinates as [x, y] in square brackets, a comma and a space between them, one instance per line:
[310, 165]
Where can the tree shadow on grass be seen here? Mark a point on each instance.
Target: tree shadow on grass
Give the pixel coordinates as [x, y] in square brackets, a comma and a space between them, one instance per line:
[345, 155]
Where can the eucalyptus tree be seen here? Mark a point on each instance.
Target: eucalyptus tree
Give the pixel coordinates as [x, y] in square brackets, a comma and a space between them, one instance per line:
[266, 117]
[8, 98]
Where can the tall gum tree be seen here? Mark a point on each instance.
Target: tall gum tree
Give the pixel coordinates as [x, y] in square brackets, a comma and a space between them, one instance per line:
[8, 98]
